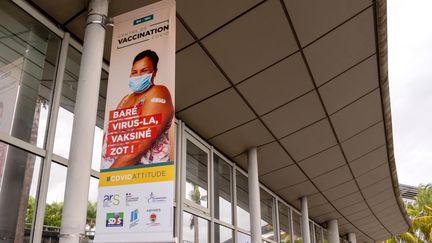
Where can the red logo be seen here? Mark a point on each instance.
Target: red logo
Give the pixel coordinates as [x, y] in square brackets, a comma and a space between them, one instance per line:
[153, 217]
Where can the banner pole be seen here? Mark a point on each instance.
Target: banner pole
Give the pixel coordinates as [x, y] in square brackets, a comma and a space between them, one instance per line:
[78, 174]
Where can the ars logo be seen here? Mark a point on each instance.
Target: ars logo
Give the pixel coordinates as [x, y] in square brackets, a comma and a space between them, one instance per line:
[111, 199]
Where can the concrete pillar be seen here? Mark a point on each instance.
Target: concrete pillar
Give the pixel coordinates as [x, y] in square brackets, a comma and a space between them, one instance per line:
[80, 157]
[254, 196]
[352, 238]
[305, 220]
[333, 231]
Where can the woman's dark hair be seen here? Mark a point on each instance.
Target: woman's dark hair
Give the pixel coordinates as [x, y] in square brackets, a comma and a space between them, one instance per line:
[150, 54]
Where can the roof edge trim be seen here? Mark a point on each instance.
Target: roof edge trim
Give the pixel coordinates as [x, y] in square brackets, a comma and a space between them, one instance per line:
[382, 50]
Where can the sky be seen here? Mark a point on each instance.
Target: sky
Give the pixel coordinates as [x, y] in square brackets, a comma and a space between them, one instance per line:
[410, 76]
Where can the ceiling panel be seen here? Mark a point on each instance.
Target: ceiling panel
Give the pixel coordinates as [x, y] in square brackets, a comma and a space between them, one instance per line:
[76, 26]
[295, 115]
[297, 191]
[60, 14]
[321, 210]
[205, 16]
[240, 139]
[373, 176]
[342, 48]
[196, 77]
[357, 116]
[358, 216]
[310, 140]
[348, 200]
[183, 37]
[369, 161]
[240, 47]
[382, 206]
[277, 85]
[380, 197]
[327, 217]
[323, 162]
[214, 116]
[364, 142]
[333, 178]
[378, 188]
[352, 209]
[272, 157]
[119, 7]
[312, 18]
[350, 85]
[316, 200]
[341, 190]
[283, 177]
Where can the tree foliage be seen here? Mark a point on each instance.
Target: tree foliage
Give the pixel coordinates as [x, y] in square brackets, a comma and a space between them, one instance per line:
[420, 213]
[53, 213]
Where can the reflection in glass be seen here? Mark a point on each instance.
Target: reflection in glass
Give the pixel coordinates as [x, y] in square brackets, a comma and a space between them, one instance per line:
[284, 223]
[243, 218]
[296, 227]
[318, 234]
[195, 229]
[28, 57]
[243, 238]
[222, 190]
[67, 105]
[311, 231]
[19, 174]
[55, 197]
[91, 207]
[196, 174]
[223, 234]
[267, 220]
[325, 236]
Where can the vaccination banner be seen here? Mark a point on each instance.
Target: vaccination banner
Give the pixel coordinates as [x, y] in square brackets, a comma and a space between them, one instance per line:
[136, 180]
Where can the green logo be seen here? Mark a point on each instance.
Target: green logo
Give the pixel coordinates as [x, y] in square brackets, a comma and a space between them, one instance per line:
[143, 19]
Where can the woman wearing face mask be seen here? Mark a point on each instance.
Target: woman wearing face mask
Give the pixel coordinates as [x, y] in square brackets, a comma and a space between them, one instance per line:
[154, 99]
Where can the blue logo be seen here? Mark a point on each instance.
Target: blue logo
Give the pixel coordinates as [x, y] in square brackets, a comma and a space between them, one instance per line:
[134, 220]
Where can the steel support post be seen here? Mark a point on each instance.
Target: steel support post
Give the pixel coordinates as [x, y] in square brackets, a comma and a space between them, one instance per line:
[80, 157]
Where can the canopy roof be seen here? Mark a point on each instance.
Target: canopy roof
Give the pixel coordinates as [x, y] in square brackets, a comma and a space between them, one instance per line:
[305, 81]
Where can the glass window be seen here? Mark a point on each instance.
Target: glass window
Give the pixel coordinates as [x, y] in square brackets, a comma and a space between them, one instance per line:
[55, 199]
[67, 105]
[243, 238]
[267, 220]
[296, 227]
[195, 229]
[28, 58]
[19, 175]
[318, 234]
[91, 207]
[243, 218]
[284, 223]
[223, 234]
[222, 190]
[196, 174]
[311, 231]
[325, 236]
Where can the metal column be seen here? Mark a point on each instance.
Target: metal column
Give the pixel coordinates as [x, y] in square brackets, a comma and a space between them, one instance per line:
[78, 176]
[352, 238]
[254, 196]
[46, 168]
[333, 231]
[305, 220]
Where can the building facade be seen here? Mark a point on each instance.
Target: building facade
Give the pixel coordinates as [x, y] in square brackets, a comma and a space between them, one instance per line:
[324, 163]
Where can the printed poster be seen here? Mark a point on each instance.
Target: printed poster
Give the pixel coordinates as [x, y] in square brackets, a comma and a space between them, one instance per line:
[136, 181]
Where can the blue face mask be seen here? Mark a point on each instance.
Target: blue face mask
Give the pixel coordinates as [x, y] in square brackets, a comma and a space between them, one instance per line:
[140, 83]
